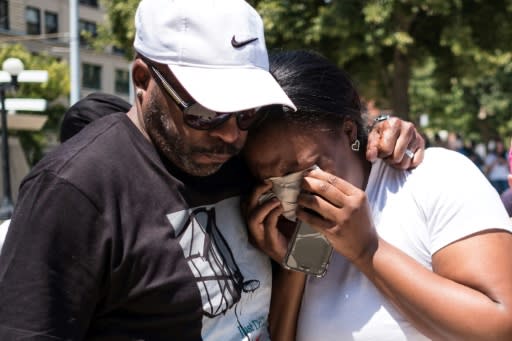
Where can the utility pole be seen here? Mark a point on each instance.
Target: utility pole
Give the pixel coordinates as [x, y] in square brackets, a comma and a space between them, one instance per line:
[74, 51]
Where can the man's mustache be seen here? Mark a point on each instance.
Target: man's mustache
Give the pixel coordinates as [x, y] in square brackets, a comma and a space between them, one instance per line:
[226, 149]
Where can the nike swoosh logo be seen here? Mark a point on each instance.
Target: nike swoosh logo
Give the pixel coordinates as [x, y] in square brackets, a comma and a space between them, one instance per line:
[238, 44]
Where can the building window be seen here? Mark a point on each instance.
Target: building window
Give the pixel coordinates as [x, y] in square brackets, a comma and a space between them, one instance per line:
[51, 23]
[33, 19]
[118, 50]
[122, 82]
[87, 29]
[4, 14]
[92, 3]
[91, 76]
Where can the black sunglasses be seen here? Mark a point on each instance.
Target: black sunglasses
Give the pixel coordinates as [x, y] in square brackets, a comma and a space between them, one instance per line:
[198, 117]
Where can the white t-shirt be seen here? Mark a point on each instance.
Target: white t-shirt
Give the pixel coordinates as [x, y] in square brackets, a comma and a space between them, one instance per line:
[443, 200]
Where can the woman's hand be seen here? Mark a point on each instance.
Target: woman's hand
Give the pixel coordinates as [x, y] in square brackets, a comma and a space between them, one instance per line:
[342, 214]
[262, 219]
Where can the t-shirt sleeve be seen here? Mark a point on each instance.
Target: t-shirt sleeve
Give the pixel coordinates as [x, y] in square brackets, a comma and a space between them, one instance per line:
[50, 268]
[459, 200]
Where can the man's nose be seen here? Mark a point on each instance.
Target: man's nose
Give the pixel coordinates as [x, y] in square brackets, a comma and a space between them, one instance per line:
[228, 131]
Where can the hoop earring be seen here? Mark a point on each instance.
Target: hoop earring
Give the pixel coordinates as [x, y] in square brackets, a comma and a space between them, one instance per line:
[355, 145]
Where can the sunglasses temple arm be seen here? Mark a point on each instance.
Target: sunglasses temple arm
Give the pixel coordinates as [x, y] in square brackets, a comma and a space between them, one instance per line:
[170, 90]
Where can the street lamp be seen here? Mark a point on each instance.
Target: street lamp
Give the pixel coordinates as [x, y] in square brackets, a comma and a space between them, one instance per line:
[13, 66]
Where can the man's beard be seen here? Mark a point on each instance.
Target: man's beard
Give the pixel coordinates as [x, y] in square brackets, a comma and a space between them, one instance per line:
[164, 134]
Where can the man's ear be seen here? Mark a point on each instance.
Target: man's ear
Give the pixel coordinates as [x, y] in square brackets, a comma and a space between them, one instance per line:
[140, 74]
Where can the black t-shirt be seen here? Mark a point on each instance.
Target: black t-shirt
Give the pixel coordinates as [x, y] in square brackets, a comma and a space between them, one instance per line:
[109, 242]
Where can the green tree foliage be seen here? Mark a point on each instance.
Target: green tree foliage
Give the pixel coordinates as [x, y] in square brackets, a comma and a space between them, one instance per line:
[56, 87]
[119, 27]
[448, 58]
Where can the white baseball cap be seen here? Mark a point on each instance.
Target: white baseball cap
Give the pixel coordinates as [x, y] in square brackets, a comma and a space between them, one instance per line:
[215, 48]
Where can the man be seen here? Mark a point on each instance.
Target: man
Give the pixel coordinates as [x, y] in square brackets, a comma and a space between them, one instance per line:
[132, 230]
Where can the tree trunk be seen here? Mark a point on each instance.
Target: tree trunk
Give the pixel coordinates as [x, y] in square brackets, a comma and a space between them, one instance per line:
[400, 92]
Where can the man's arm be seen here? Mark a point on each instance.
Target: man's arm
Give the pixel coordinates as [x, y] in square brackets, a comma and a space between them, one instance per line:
[50, 265]
[396, 141]
[287, 290]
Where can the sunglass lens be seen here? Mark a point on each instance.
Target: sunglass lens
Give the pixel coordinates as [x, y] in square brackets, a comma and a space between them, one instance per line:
[199, 111]
[199, 117]
[247, 118]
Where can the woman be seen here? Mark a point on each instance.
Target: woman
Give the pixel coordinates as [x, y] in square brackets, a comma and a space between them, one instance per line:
[421, 254]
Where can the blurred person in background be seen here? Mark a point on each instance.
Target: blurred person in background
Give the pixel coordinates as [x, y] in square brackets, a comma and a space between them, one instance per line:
[496, 166]
[468, 149]
[506, 196]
